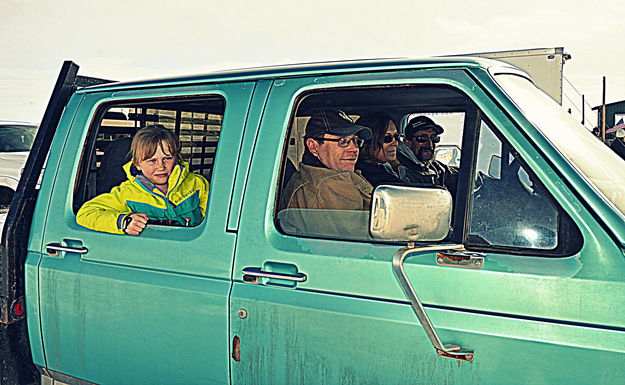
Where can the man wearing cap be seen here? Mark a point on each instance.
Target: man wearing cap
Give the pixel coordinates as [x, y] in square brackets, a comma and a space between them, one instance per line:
[421, 136]
[618, 144]
[326, 178]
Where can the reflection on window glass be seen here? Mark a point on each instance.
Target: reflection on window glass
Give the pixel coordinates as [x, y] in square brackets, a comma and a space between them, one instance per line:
[508, 208]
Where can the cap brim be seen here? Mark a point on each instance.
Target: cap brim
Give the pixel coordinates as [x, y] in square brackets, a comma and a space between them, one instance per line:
[437, 129]
[353, 129]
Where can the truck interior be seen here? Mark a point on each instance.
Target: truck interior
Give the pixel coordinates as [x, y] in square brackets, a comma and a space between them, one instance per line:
[195, 122]
[499, 183]
[401, 102]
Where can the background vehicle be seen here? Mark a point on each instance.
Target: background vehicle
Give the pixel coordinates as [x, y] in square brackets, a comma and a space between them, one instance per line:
[16, 139]
[544, 65]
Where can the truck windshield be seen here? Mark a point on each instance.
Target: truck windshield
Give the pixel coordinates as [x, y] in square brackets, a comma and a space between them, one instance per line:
[594, 160]
[15, 138]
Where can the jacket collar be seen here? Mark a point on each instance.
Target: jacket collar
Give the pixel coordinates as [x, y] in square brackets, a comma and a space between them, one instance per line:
[317, 175]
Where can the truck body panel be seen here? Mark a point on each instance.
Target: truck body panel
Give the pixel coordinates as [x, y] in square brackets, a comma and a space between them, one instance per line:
[314, 331]
[94, 307]
[260, 293]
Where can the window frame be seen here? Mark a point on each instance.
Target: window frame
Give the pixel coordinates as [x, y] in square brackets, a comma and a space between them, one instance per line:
[88, 153]
[474, 115]
[567, 230]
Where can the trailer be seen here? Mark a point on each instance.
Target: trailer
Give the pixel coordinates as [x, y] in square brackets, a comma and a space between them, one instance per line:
[544, 65]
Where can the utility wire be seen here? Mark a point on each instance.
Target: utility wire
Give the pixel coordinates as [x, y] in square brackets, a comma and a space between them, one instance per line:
[575, 89]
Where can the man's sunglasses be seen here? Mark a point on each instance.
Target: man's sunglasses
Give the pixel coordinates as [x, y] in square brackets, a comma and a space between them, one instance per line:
[425, 138]
[388, 138]
[343, 141]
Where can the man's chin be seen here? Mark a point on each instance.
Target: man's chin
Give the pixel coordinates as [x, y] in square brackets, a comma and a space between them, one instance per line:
[425, 156]
[348, 165]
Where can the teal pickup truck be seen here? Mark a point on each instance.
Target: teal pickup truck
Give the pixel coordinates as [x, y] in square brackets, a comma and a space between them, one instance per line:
[519, 279]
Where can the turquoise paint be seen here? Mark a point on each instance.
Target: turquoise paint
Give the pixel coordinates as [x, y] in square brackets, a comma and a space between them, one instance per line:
[163, 307]
[147, 309]
[557, 309]
[248, 141]
[38, 225]
[306, 338]
[548, 155]
[299, 70]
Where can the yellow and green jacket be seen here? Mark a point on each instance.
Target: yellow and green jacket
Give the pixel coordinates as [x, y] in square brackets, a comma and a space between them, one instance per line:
[183, 205]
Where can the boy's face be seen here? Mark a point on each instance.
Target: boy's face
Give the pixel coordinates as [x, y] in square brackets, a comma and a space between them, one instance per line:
[159, 166]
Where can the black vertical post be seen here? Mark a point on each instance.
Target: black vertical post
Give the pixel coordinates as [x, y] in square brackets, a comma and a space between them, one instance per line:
[603, 113]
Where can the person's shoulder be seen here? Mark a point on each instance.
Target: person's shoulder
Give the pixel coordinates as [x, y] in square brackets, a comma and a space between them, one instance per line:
[368, 166]
[192, 177]
[341, 180]
[445, 166]
[315, 175]
[197, 177]
[125, 187]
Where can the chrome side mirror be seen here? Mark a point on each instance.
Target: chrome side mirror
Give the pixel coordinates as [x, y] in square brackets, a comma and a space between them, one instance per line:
[410, 214]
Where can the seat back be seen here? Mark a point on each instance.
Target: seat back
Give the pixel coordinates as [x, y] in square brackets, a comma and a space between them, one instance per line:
[110, 172]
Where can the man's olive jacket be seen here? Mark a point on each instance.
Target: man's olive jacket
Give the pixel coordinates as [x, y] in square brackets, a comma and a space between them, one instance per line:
[322, 188]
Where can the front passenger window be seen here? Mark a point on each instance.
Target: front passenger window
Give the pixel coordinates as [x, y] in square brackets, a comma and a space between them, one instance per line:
[508, 207]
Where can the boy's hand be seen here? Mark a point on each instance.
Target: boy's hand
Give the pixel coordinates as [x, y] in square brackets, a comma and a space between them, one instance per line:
[137, 223]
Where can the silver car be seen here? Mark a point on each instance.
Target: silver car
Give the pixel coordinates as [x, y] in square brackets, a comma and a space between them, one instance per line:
[16, 139]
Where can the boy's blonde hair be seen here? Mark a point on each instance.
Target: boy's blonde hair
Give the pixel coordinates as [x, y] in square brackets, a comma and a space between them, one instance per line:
[149, 138]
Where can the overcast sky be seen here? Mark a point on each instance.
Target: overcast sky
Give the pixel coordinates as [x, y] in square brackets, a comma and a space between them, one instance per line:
[125, 40]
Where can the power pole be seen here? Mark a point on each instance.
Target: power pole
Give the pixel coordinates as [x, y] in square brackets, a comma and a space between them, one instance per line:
[603, 113]
[583, 110]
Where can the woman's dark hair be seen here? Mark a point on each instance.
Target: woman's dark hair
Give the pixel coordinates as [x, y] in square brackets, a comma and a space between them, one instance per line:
[378, 123]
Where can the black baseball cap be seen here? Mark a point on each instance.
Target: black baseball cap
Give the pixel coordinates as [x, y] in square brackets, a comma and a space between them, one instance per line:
[421, 123]
[335, 122]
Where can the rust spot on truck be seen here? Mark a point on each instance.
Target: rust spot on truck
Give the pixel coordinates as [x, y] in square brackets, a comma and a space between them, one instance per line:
[454, 257]
[236, 348]
[460, 357]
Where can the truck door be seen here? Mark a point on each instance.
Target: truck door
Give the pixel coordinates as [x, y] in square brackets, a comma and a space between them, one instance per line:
[118, 309]
[315, 299]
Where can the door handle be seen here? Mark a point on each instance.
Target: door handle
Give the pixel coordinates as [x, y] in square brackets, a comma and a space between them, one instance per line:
[448, 351]
[53, 249]
[252, 274]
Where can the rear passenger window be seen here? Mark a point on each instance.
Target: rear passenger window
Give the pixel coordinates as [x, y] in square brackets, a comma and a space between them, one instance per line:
[195, 122]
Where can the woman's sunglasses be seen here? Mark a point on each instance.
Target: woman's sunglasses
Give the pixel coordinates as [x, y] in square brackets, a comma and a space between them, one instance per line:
[388, 138]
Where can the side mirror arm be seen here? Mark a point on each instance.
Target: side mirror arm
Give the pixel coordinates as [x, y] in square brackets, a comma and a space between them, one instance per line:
[448, 351]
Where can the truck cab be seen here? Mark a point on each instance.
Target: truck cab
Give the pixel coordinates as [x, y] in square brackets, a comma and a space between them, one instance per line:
[517, 278]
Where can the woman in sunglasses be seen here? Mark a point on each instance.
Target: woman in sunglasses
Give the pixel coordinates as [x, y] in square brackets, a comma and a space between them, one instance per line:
[378, 158]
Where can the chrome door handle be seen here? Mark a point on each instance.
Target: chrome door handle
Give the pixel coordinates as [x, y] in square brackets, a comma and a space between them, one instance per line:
[448, 351]
[257, 272]
[54, 248]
